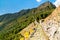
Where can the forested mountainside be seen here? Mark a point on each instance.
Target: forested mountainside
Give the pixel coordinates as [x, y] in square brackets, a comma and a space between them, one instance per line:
[12, 24]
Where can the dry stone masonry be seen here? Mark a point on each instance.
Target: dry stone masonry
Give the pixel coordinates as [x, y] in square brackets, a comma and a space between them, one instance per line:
[46, 29]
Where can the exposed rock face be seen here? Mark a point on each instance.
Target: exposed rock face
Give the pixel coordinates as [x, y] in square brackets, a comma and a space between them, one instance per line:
[47, 29]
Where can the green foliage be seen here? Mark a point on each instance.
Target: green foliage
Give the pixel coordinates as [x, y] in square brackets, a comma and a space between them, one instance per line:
[14, 23]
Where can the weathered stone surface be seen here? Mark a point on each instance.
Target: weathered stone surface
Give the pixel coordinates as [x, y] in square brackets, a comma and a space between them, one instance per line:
[51, 25]
[49, 29]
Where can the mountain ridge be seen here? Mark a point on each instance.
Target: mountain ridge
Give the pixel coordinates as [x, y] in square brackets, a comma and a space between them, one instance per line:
[13, 24]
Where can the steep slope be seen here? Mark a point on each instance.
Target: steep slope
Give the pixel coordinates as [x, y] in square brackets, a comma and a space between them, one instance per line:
[46, 29]
[11, 26]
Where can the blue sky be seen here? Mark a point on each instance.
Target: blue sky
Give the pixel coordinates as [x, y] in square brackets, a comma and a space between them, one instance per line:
[12, 6]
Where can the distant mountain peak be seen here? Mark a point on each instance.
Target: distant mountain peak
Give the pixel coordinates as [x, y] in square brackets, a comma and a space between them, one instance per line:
[45, 4]
[48, 2]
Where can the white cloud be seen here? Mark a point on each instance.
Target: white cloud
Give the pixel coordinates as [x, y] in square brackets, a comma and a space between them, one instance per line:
[38, 0]
[57, 3]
